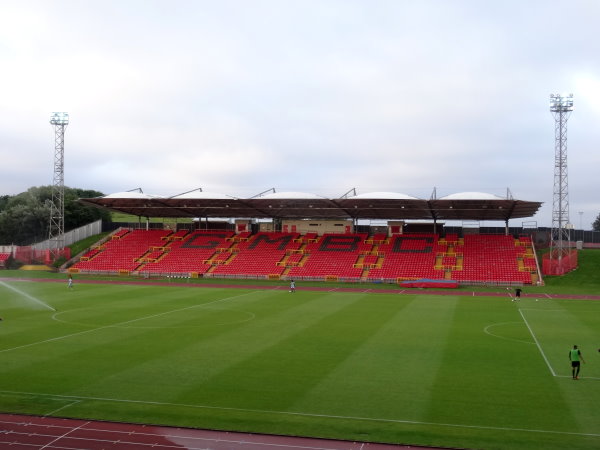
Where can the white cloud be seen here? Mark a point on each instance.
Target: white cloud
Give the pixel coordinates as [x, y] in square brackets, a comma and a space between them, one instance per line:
[316, 96]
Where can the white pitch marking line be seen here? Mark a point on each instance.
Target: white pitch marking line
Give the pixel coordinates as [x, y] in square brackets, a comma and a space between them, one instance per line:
[300, 414]
[538, 344]
[542, 352]
[250, 316]
[486, 331]
[174, 446]
[79, 333]
[172, 435]
[62, 407]
[581, 378]
[64, 435]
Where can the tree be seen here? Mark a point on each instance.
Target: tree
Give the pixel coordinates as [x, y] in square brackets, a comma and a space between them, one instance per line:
[77, 214]
[25, 217]
[3, 201]
[596, 224]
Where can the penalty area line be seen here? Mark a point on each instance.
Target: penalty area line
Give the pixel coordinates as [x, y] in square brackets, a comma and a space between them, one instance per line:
[537, 343]
[301, 414]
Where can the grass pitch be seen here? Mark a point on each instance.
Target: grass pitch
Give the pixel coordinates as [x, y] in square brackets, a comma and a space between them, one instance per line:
[474, 372]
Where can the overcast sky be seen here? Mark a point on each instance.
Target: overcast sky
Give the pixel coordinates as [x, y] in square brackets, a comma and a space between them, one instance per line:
[321, 96]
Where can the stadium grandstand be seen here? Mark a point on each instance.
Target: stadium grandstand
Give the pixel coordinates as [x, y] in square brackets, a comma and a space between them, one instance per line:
[291, 235]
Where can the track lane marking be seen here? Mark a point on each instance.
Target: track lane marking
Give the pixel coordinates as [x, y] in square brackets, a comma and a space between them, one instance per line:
[309, 415]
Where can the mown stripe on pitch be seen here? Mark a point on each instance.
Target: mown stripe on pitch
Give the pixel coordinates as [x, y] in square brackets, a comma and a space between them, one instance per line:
[283, 372]
[389, 373]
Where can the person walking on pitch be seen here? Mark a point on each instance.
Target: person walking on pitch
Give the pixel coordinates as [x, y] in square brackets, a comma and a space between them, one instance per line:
[517, 294]
[575, 357]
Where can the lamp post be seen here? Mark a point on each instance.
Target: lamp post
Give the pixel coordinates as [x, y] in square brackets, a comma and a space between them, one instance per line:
[561, 107]
[56, 233]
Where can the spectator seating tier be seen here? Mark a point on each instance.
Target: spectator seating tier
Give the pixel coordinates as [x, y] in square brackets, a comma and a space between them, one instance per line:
[352, 256]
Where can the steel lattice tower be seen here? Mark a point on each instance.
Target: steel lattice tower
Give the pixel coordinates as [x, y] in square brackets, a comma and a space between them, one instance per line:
[561, 107]
[56, 234]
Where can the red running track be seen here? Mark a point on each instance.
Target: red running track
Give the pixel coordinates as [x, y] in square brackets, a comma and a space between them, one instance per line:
[19, 432]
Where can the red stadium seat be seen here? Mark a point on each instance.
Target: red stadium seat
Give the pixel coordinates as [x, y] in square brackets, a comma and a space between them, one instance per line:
[351, 256]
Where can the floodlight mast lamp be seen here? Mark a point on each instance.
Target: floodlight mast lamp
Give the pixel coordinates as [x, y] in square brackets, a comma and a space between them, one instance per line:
[560, 107]
[56, 233]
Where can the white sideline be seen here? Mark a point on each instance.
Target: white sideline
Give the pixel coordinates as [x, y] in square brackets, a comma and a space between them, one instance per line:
[301, 414]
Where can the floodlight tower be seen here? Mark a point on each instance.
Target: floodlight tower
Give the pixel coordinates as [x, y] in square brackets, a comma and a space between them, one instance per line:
[56, 234]
[560, 107]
